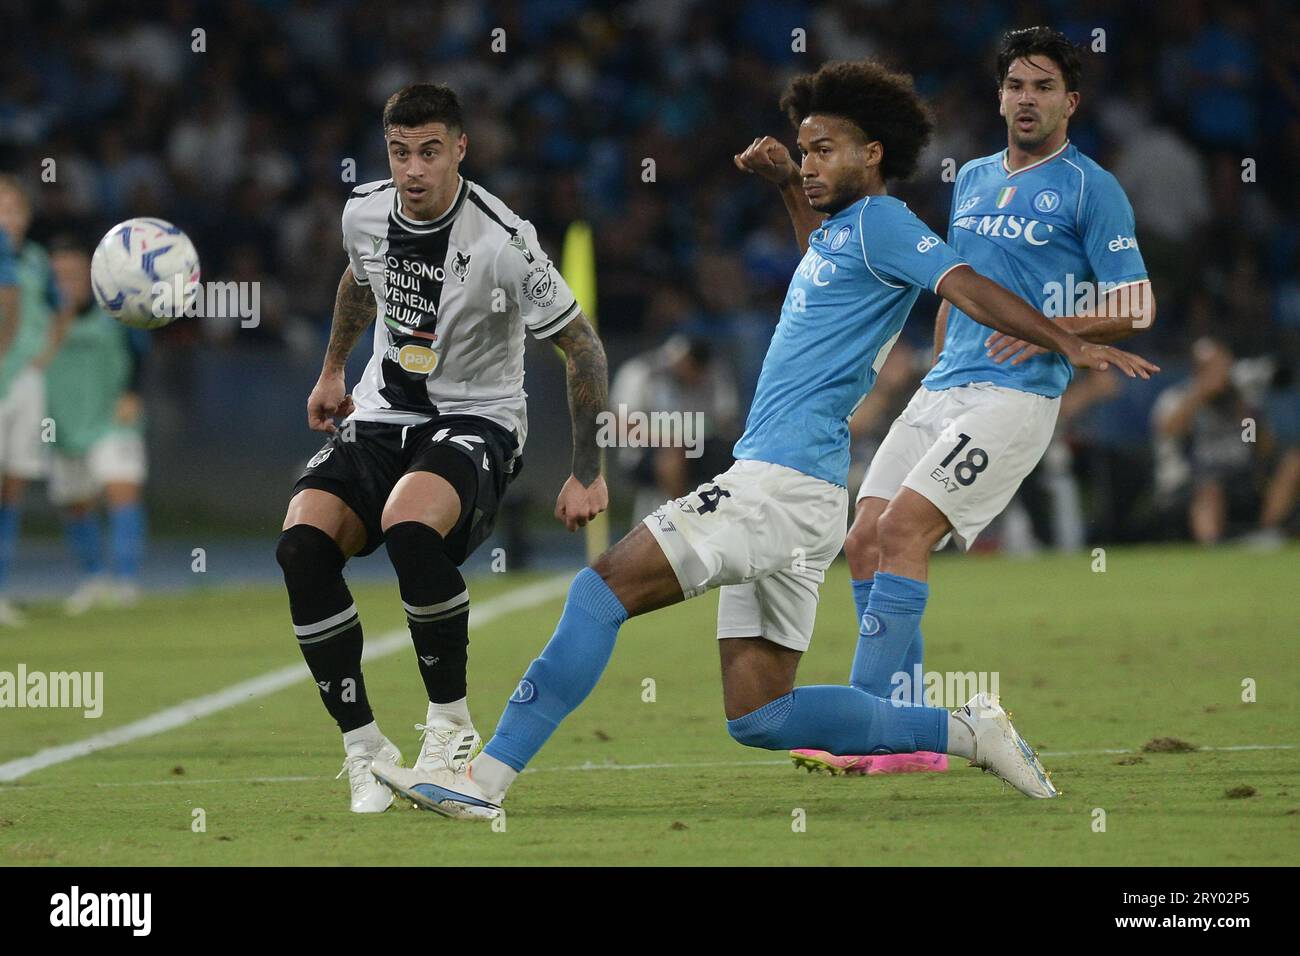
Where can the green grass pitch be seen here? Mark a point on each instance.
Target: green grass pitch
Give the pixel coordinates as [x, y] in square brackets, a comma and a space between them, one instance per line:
[1158, 646]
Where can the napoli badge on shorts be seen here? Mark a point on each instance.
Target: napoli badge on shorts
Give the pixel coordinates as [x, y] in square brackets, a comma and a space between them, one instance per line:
[525, 693]
[1047, 200]
[872, 626]
[840, 238]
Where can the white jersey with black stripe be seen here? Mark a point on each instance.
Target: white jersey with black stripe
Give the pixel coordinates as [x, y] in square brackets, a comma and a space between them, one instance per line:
[454, 296]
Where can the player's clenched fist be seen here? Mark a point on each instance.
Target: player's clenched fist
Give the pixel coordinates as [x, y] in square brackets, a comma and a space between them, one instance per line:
[577, 504]
[770, 159]
[327, 401]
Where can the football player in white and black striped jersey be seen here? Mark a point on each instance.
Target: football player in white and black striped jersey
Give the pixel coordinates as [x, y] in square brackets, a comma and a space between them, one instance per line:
[435, 429]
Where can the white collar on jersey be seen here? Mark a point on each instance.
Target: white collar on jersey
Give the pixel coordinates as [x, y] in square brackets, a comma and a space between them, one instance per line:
[1046, 159]
[431, 225]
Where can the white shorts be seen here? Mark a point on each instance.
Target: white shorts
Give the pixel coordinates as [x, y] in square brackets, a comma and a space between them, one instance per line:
[117, 457]
[22, 409]
[965, 449]
[763, 533]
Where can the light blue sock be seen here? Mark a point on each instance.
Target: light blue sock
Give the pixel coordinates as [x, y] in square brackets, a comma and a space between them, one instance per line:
[842, 720]
[125, 539]
[83, 537]
[10, 519]
[883, 685]
[887, 628]
[565, 673]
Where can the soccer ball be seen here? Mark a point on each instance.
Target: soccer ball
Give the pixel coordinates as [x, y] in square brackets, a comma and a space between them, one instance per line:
[145, 273]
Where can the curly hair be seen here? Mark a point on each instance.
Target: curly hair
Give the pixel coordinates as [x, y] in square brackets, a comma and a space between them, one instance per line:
[881, 103]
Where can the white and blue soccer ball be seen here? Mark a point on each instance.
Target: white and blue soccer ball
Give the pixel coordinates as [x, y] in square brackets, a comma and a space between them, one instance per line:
[145, 273]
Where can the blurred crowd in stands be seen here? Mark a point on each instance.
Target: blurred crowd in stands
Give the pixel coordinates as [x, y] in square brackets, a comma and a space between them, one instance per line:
[251, 131]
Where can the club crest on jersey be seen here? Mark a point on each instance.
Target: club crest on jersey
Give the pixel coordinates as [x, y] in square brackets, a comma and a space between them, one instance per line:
[1004, 196]
[460, 265]
[416, 359]
[841, 237]
[1047, 200]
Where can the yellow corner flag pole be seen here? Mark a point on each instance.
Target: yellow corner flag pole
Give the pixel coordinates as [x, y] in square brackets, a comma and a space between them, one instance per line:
[578, 266]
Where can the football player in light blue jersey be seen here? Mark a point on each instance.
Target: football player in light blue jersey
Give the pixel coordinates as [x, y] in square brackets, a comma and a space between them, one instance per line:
[766, 530]
[1048, 223]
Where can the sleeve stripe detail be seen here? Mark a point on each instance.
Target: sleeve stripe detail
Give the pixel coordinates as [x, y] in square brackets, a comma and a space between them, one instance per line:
[382, 186]
[478, 201]
[555, 324]
[1078, 210]
[956, 265]
[862, 242]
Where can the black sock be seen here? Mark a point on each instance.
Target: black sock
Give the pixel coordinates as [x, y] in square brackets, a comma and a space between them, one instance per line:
[437, 607]
[325, 621]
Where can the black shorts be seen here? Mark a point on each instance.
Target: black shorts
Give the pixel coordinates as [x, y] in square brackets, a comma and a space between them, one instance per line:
[476, 456]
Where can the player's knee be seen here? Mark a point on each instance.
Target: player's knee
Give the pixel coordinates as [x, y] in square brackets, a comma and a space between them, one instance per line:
[305, 550]
[897, 533]
[861, 548]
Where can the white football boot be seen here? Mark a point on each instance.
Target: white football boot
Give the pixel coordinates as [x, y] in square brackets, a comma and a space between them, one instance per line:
[93, 592]
[447, 746]
[367, 794]
[446, 792]
[1001, 751]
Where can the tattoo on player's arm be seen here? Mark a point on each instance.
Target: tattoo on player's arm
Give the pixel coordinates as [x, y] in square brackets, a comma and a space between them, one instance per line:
[588, 377]
[354, 309]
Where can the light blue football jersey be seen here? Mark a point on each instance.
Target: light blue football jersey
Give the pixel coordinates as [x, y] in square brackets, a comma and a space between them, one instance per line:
[1051, 233]
[847, 302]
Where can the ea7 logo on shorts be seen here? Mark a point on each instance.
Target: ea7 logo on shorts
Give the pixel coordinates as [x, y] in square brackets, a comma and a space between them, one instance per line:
[872, 626]
[320, 456]
[524, 693]
[927, 243]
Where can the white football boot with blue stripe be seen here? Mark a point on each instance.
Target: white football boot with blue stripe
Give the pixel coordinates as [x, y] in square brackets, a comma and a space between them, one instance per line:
[447, 792]
[1000, 750]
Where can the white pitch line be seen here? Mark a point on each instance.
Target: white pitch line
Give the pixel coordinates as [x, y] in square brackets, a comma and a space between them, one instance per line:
[583, 767]
[263, 685]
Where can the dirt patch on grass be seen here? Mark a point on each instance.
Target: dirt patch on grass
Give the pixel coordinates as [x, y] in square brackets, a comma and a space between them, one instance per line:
[1167, 745]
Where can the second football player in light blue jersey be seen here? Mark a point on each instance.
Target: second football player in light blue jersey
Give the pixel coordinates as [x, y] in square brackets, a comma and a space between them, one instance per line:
[766, 530]
[1048, 223]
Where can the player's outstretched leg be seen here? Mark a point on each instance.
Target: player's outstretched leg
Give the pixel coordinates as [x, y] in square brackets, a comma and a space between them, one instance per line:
[765, 710]
[631, 578]
[844, 720]
[875, 661]
[328, 629]
[436, 602]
